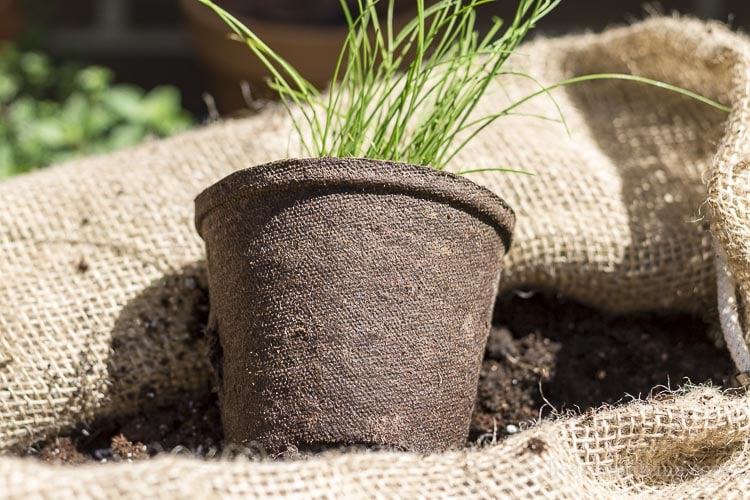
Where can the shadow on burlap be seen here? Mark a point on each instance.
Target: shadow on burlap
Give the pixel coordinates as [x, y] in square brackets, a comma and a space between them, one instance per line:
[103, 278]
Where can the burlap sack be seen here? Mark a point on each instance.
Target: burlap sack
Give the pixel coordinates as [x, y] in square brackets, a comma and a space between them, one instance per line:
[101, 266]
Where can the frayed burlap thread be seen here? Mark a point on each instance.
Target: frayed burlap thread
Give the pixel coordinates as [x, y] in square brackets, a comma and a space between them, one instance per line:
[103, 280]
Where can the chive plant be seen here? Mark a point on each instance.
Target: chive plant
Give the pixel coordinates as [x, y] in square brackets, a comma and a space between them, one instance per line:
[409, 94]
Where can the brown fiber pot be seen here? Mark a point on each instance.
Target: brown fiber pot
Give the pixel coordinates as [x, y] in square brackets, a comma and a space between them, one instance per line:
[351, 300]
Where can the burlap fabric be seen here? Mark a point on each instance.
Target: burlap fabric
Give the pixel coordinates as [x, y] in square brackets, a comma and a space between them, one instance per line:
[616, 216]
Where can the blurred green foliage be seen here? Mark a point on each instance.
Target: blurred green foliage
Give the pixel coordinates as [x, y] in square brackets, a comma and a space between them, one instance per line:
[49, 113]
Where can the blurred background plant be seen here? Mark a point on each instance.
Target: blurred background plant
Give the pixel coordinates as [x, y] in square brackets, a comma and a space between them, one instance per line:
[49, 113]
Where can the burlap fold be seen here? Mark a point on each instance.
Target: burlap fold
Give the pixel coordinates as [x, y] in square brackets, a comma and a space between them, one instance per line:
[102, 270]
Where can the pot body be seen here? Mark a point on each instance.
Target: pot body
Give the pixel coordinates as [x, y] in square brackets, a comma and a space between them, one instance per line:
[350, 301]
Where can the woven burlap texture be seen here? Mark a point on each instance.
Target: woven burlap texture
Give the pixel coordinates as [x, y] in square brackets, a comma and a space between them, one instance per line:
[102, 271]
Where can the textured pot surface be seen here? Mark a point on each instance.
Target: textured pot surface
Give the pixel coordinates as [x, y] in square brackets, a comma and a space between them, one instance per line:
[350, 300]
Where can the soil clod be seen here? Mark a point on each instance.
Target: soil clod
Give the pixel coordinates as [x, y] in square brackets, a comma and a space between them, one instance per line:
[82, 266]
[125, 449]
[61, 451]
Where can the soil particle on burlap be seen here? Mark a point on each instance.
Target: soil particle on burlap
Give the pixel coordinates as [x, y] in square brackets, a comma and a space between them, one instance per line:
[536, 446]
[82, 267]
[543, 352]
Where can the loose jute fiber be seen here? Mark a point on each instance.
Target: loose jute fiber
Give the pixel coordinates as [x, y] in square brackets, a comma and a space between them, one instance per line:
[100, 264]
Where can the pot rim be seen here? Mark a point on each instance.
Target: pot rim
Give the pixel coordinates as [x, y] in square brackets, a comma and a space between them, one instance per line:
[362, 175]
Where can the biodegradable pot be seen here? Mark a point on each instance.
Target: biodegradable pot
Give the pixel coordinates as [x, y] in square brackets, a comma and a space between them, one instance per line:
[351, 300]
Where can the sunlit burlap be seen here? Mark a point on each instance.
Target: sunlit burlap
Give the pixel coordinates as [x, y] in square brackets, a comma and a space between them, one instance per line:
[102, 272]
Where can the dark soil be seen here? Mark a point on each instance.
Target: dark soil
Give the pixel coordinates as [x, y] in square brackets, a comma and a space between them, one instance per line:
[192, 425]
[543, 352]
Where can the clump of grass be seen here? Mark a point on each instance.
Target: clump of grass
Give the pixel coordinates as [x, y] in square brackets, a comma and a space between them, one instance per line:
[407, 95]
[399, 95]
